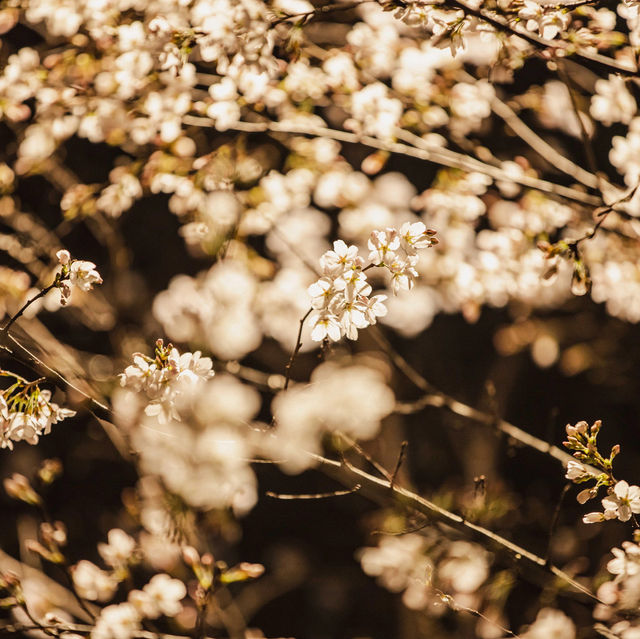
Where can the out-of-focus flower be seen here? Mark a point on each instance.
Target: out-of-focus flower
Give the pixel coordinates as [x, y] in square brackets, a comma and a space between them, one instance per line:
[92, 582]
[551, 624]
[161, 596]
[399, 563]
[119, 549]
[360, 400]
[117, 622]
[612, 101]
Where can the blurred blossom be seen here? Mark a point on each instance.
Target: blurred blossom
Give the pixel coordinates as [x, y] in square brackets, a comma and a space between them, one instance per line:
[360, 400]
[551, 624]
[465, 567]
[119, 621]
[216, 306]
[612, 101]
[205, 456]
[400, 565]
[161, 596]
[118, 551]
[93, 583]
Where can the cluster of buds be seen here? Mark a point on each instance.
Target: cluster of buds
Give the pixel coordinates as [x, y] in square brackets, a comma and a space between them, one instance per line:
[53, 538]
[19, 487]
[211, 573]
[622, 500]
[340, 298]
[27, 412]
[11, 587]
[74, 273]
[580, 278]
[165, 377]
[582, 440]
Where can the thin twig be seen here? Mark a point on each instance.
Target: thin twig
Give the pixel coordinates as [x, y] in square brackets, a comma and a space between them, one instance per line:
[602, 214]
[352, 443]
[555, 518]
[34, 359]
[406, 531]
[333, 493]
[296, 349]
[456, 606]
[4, 331]
[394, 474]
[542, 147]
[306, 16]
[586, 141]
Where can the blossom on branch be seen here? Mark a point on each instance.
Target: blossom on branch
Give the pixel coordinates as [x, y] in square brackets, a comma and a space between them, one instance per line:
[78, 273]
[27, 412]
[340, 298]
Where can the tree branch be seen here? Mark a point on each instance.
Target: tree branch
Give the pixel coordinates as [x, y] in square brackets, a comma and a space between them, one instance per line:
[383, 491]
[594, 61]
[437, 155]
[438, 399]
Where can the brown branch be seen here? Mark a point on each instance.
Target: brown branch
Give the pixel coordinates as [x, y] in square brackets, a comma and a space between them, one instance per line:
[306, 16]
[594, 61]
[542, 147]
[584, 135]
[352, 443]
[382, 492]
[555, 518]
[4, 331]
[20, 628]
[424, 151]
[438, 399]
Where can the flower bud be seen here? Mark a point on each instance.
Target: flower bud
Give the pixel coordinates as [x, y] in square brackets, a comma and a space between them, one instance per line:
[49, 471]
[18, 487]
[64, 257]
[190, 556]
[55, 534]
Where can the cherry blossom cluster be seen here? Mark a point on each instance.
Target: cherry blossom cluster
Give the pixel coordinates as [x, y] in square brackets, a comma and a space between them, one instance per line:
[160, 597]
[157, 80]
[617, 598]
[340, 298]
[593, 466]
[198, 437]
[622, 503]
[75, 273]
[27, 412]
[164, 378]
[125, 556]
[453, 27]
